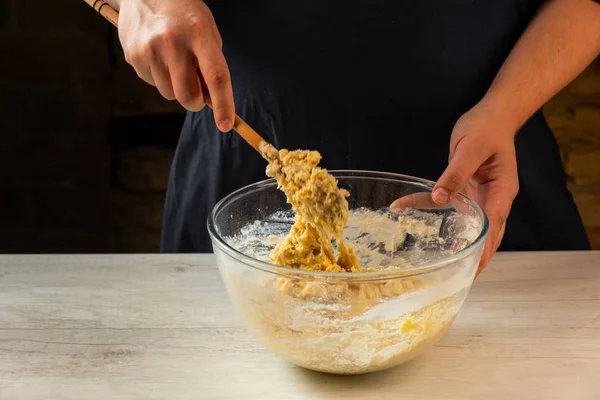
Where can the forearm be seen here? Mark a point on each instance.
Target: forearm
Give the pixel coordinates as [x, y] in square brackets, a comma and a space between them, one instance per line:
[561, 41]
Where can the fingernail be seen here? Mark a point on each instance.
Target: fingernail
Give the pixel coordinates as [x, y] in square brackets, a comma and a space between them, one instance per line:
[225, 125]
[440, 195]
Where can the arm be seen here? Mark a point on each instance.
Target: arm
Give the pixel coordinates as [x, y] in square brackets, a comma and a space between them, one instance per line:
[560, 42]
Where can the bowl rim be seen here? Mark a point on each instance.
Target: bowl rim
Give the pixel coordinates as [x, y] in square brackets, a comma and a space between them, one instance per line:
[412, 270]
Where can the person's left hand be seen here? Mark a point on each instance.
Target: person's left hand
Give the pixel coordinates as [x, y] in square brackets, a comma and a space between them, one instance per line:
[483, 166]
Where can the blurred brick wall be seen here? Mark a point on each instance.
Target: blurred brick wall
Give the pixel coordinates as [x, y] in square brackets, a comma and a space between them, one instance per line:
[574, 115]
[86, 146]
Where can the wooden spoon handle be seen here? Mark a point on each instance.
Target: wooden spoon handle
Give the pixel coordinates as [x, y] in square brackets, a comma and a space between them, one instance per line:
[239, 125]
[105, 10]
[242, 128]
[248, 134]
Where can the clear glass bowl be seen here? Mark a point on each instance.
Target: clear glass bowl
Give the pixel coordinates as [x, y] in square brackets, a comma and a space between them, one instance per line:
[352, 323]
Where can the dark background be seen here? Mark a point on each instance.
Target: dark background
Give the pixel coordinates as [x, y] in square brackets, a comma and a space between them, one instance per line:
[86, 146]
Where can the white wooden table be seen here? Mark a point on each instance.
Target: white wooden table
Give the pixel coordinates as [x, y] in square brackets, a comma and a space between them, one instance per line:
[161, 327]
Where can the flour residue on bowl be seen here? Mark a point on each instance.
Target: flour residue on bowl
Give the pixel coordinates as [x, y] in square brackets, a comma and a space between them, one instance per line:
[355, 326]
[337, 327]
[381, 238]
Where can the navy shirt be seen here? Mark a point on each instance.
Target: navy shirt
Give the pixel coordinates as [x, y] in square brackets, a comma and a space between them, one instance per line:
[337, 77]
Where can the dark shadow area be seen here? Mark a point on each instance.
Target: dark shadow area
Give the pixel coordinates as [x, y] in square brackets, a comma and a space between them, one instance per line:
[86, 146]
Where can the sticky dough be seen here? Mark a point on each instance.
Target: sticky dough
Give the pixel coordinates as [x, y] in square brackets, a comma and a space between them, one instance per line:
[325, 324]
[321, 213]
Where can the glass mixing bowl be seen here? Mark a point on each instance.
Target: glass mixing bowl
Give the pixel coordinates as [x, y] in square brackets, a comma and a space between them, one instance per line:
[352, 323]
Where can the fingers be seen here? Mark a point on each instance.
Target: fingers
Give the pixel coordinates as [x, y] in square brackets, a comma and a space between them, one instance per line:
[215, 74]
[174, 73]
[424, 201]
[465, 162]
[491, 246]
[414, 200]
[496, 211]
[500, 195]
[142, 68]
[499, 237]
[177, 50]
[492, 243]
[162, 80]
[186, 83]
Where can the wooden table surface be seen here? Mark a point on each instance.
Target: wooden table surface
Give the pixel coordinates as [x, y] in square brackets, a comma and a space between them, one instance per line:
[161, 327]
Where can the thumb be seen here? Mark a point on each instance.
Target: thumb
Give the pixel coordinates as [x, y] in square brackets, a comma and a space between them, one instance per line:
[465, 162]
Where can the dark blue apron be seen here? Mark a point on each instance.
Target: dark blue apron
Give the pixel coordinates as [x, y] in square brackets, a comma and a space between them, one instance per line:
[336, 76]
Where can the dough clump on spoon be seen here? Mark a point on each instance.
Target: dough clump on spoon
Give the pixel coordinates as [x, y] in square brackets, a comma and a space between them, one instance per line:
[321, 213]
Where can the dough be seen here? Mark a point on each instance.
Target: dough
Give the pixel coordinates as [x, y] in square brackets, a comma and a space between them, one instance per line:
[311, 190]
[327, 324]
[321, 213]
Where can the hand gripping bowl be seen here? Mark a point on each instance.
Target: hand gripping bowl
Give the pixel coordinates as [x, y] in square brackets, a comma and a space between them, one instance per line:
[351, 323]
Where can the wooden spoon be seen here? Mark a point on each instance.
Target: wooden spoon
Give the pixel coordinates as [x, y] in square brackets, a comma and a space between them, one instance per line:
[241, 127]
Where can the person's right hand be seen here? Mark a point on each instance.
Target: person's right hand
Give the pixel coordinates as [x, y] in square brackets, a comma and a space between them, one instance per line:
[164, 41]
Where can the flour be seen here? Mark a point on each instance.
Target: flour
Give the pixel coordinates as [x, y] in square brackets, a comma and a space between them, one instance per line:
[381, 238]
[335, 338]
[342, 327]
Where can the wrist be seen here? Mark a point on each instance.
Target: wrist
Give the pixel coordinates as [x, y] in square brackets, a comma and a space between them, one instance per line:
[490, 118]
[501, 113]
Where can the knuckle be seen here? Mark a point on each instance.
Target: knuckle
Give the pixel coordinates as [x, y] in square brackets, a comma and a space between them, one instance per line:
[135, 59]
[198, 25]
[165, 36]
[189, 100]
[224, 108]
[144, 54]
[167, 92]
[217, 76]
[457, 180]
[154, 42]
[195, 22]
[185, 97]
[150, 55]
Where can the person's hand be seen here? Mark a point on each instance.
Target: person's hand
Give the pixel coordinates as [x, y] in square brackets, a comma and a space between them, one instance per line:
[164, 41]
[482, 165]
